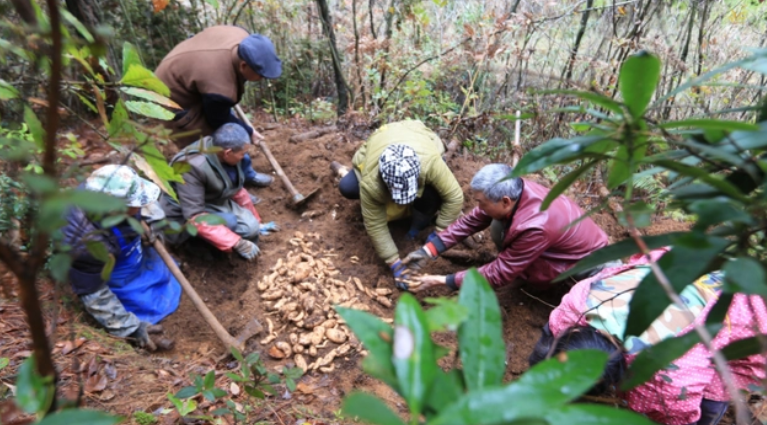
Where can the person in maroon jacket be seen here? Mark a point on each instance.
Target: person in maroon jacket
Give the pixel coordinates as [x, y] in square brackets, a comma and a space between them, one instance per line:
[534, 246]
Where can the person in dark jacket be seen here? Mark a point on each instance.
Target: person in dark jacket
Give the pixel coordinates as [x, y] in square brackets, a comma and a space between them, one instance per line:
[534, 246]
[206, 75]
[140, 290]
[214, 186]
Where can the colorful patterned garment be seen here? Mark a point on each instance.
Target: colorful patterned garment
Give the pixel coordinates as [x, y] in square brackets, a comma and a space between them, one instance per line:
[673, 396]
[608, 303]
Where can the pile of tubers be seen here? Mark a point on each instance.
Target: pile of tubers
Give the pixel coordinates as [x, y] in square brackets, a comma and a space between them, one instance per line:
[300, 292]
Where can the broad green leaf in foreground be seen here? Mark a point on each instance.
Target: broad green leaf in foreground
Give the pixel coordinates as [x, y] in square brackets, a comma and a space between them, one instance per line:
[370, 409]
[80, 416]
[639, 75]
[682, 265]
[149, 109]
[413, 353]
[446, 314]
[745, 275]
[624, 248]
[138, 76]
[150, 95]
[480, 337]
[659, 356]
[130, 57]
[556, 151]
[376, 336]
[595, 414]
[546, 386]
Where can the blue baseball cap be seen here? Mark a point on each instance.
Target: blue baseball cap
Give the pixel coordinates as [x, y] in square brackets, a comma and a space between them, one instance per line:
[258, 52]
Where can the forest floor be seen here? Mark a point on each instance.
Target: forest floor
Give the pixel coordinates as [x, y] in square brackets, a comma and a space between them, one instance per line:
[123, 380]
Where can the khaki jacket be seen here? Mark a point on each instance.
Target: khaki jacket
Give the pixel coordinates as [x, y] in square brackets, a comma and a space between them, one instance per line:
[375, 198]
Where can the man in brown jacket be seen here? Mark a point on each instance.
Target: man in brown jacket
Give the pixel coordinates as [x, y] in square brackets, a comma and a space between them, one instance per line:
[206, 75]
[534, 246]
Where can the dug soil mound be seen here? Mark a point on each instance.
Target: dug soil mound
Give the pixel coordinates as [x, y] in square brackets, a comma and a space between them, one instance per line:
[229, 285]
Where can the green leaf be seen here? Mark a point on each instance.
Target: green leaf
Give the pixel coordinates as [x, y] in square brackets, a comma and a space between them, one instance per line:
[637, 80]
[150, 95]
[447, 388]
[447, 314]
[80, 416]
[594, 414]
[187, 392]
[131, 56]
[745, 275]
[35, 127]
[34, 393]
[546, 386]
[565, 182]
[210, 380]
[370, 409]
[376, 336]
[213, 3]
[657, 357]
[59, 266]
[236, 354]
[413, 353]
[108, 267]
[4, 362]
[138, 76]
[716, 211]
[616, 251]
[98, 250]
[211, 219]
[78, 25]
[593, 97]
[120, 123]
[557, 151]
[7, 91]
[40, 184]
[742, 348]
[682, 265]
[640, 213]
[148, 109]
[709, 124]
[620, 170]
[480, 338]
[701, 174]
[94, 202]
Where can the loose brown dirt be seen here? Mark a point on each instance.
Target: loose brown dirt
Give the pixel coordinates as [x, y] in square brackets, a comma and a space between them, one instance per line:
[227, 284]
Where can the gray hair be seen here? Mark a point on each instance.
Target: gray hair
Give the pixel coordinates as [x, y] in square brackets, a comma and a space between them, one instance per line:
[231, 136]
[493, 181]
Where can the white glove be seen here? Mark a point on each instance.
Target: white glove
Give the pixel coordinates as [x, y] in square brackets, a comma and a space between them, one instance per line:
[247, 249]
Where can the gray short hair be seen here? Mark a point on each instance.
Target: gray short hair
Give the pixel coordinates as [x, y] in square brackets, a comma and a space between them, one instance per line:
[490, 181]
[231, 136]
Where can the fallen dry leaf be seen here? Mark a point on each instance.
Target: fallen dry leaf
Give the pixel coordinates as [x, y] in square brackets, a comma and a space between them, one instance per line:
[70, 345]
[303, 388]
[107, 395]
[95, 383]
[234, 389]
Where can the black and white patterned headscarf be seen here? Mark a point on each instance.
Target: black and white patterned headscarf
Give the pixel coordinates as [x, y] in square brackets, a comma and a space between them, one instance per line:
[400, 167]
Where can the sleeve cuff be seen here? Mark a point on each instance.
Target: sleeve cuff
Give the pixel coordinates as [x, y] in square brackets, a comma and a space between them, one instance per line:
[450, 282]
[438, 244]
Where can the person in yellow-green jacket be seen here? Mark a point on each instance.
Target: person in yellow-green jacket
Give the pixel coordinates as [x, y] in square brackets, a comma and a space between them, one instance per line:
[399, 172]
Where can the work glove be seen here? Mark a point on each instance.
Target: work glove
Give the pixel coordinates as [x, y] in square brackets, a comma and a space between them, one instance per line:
[400, 272]
[268, 228]
[247, 249]
[141, 336]
[417, 259]
[412, 234]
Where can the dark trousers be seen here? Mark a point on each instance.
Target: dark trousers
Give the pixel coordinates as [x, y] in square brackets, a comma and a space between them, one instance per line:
[424, 208]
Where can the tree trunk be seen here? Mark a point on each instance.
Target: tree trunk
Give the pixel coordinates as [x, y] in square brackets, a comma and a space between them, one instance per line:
[341, 87]
[567, 73]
